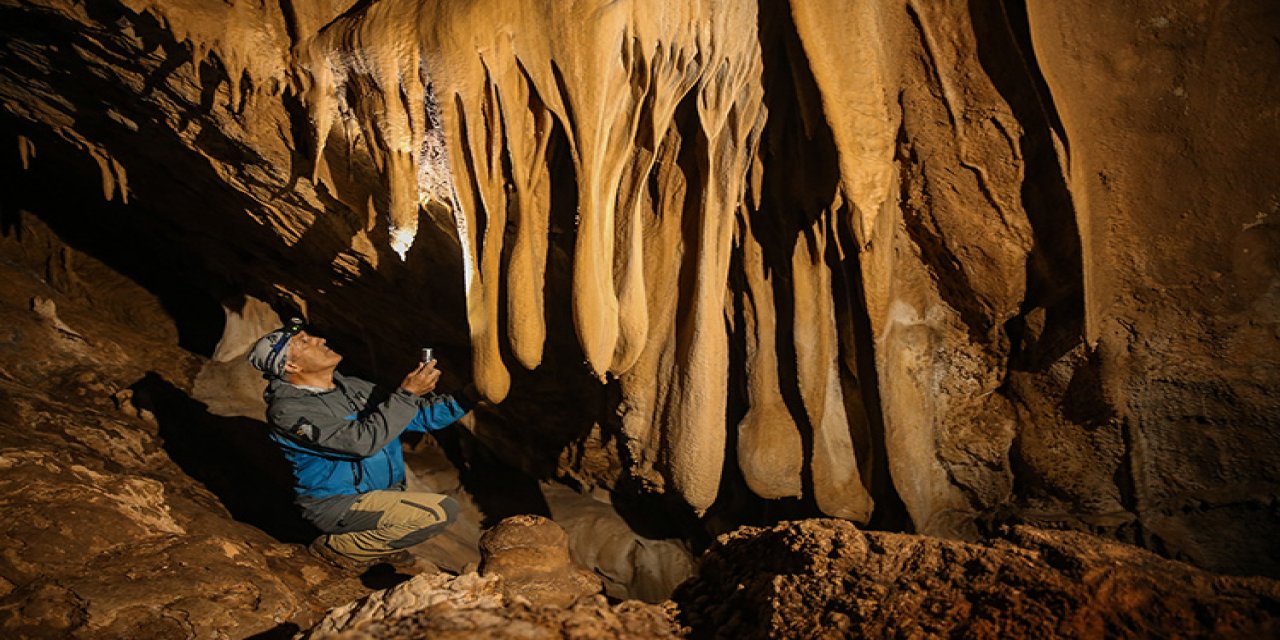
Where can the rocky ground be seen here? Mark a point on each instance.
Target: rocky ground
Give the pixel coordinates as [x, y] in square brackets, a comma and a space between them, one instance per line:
[825, 578]
[822, 578]
[138, 504]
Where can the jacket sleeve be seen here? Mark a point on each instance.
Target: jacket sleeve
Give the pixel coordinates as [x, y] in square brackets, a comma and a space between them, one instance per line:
[310, 424]
[435, 413]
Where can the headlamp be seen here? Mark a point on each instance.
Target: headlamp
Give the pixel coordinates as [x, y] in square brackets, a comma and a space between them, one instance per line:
[290, 330]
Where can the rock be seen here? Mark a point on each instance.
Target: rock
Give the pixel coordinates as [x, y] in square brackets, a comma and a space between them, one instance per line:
[472, 606]
[423, 592]
[809, 578]
[47, 310]
[631, 566]
[104, 534]
[531, 556]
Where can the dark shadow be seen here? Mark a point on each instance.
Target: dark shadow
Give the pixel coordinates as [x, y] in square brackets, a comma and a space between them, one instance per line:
[283, 631]
[500, 490]
[801, 181]
[382, 576]
[800, 178]
[105, 231]
[232, 457]
[890, 512]
[1055, 273]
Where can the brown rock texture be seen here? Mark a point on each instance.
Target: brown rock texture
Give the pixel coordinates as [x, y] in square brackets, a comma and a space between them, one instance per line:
[474, 606]
[531, 556]
[824, 578]
[107, 532]
[934, 265]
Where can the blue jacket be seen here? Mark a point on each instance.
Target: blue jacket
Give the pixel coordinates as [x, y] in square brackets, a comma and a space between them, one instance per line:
[340, 444]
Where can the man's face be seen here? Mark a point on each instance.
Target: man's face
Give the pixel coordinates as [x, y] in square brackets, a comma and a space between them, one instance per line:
[308, 354]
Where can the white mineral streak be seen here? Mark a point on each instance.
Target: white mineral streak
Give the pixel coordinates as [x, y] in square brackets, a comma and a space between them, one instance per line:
[608, 77]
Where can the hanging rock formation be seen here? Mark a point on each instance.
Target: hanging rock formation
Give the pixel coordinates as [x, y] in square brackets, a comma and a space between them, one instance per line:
[986, 261]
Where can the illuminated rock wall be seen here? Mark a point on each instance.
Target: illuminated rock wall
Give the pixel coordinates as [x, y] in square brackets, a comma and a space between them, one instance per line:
[984, 259]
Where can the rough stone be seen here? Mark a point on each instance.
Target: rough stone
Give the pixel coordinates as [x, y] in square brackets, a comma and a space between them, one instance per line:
[105, 535]
[825, 578]
[471, 606]
[531, 555]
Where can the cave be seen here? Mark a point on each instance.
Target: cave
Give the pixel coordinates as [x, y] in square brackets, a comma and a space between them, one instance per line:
[789, 318]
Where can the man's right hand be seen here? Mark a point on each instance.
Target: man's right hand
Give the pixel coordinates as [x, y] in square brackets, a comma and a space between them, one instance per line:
[422, 380]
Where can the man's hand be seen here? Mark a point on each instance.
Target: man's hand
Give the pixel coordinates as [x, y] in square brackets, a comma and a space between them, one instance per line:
[422, 380]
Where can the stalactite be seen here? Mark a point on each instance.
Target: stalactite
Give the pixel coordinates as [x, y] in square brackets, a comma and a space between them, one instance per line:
[770, 448]
[531, 186]
[837, 485]
[612, 80]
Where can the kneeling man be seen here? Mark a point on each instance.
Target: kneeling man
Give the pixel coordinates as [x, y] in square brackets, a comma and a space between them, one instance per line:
[343, 443]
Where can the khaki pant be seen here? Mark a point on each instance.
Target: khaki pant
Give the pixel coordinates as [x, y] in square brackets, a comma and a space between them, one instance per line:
[384, 522]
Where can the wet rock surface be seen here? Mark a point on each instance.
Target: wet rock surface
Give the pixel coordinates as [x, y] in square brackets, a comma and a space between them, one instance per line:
[826, 578]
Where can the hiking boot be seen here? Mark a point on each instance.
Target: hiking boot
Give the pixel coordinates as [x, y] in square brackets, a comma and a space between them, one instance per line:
[322, 551]
[399, 559]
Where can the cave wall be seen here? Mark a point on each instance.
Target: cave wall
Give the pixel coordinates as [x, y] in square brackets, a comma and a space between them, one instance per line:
[1176, 198]
[980, 261]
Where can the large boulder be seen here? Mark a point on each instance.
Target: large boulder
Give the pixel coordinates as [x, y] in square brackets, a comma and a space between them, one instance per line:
[531, 555]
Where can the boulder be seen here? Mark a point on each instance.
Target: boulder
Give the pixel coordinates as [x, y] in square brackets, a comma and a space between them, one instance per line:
[531, 556]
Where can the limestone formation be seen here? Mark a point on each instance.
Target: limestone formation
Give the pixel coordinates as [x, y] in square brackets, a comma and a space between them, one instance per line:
[531, 556]
[825, 578]
[932, 264]
[527, 587]
[630, 565]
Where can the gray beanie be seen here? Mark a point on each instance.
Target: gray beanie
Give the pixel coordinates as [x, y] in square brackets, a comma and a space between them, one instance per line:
[271, 351]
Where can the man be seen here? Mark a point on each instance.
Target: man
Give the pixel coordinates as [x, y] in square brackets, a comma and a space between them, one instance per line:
[343, 444]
